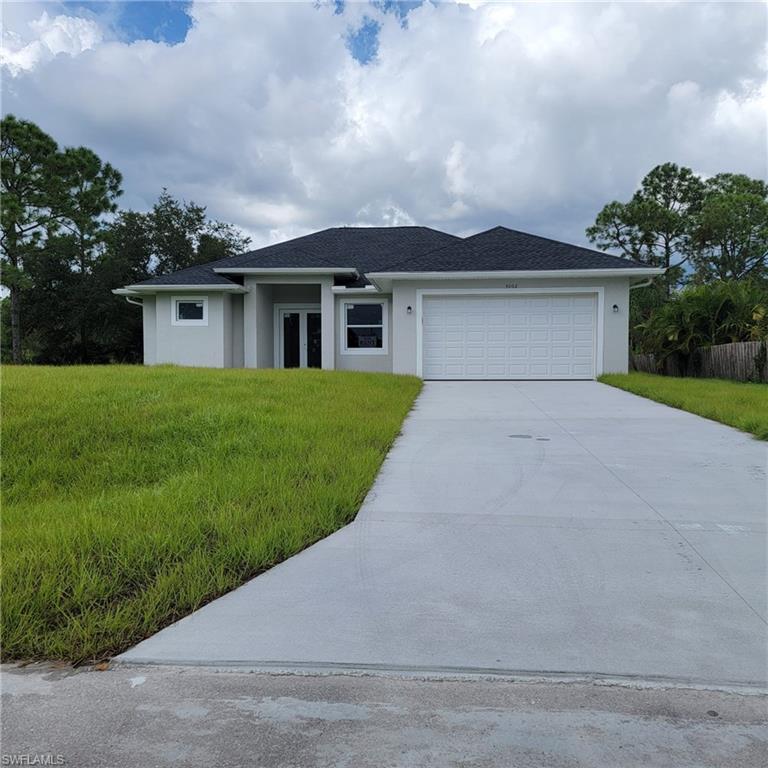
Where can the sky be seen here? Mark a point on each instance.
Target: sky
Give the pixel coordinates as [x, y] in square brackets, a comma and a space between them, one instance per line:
[285, 118]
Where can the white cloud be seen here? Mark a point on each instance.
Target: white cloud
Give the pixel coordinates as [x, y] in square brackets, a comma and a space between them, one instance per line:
[530, 115]
[45, 38]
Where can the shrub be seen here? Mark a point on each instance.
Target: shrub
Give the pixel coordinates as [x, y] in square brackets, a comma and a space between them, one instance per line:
[704, 315]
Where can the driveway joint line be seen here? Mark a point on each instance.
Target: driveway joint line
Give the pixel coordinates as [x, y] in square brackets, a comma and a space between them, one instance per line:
[648, 504]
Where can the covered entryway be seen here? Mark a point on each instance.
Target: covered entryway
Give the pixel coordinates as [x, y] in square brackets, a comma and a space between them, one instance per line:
[534, 336]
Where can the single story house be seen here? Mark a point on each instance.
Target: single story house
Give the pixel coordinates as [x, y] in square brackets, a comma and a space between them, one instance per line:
[500, 304]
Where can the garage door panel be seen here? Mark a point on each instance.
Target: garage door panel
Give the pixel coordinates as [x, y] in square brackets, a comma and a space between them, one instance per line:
[514, 337]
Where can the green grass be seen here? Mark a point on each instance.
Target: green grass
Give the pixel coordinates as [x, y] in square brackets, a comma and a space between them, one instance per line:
[132, 496]
[740, 405]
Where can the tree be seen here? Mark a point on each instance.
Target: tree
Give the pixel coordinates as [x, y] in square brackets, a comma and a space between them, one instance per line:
[730, 231]
[28, 191]
[88, 191]
[654, 226]
[171, 236]
[183, 236]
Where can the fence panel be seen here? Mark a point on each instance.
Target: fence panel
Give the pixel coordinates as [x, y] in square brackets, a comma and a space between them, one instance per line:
[741, 361]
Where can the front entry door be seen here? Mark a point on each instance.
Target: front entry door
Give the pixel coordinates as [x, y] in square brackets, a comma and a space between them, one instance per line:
[298, 337]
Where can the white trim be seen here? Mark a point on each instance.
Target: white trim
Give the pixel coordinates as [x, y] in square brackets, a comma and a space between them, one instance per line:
[383, 280]
[599, 291]
[285, 270]
[384, 349]
[136, 289]
[619, 272]
[301, 309]
[362, 290]
[175, 320]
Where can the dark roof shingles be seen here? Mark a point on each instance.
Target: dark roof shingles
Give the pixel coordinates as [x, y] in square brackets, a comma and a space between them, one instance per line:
[502, 249]
[405, 249]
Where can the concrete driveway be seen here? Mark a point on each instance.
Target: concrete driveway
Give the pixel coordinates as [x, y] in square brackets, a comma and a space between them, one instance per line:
[539, 527]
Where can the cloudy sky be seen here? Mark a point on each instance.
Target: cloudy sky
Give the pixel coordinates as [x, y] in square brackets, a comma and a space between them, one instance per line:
[284, 118]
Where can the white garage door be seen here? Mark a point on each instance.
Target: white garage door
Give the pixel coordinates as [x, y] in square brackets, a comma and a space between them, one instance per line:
[509, 337]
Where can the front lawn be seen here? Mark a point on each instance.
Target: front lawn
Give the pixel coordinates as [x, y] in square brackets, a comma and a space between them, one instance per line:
[132, 496]
[740, 405]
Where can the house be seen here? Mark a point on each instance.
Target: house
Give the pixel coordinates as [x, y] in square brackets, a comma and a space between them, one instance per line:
[500, 304]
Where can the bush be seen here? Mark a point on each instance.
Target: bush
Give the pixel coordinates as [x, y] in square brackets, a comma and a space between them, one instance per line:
[705, 315]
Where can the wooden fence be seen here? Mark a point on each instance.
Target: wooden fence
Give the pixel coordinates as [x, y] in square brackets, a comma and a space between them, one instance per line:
[743, 361]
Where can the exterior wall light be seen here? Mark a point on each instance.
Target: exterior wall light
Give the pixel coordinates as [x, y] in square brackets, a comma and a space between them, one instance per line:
[409, 310]
[615, 307]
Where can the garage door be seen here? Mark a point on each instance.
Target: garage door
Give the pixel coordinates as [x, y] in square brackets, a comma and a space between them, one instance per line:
[509, 337]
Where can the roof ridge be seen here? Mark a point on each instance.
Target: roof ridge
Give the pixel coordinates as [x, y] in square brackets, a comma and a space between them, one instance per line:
[458, 240]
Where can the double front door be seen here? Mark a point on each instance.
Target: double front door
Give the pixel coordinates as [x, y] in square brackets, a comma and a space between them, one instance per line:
[298, 337]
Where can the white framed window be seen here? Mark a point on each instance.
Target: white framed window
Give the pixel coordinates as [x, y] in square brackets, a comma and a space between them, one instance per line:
[189, 310]
[364, 327]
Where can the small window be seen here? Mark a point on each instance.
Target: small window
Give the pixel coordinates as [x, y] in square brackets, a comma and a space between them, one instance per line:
[365, 328]
[189, 310]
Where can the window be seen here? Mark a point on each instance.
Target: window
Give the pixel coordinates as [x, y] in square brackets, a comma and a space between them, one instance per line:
[189, 310]
[364, 327]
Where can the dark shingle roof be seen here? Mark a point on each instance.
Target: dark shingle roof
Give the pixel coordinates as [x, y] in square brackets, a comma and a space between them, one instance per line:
[405, 249]
[502, 249]
[368, 249]
[202, 274]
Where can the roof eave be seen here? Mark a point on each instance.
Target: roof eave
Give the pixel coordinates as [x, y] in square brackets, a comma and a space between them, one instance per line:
[382, 280]
[134, 290]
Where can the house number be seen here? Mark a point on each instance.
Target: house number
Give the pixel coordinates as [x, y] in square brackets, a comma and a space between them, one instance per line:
[511, 285]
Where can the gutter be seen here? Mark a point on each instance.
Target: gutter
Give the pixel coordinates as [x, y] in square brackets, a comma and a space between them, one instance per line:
[137, 290]
[526, 273]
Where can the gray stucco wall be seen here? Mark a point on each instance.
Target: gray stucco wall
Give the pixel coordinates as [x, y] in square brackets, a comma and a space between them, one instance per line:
[150, 330]
[237, 330]
[240, 330]
[615, 324]
[265, 331]
[198, 345]
[378, 363]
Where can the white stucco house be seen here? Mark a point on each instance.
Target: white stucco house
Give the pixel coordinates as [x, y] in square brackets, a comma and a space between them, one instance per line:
[500, 304]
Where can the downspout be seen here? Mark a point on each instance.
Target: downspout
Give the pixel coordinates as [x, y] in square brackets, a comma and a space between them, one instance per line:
[642, 284]
[131, 300]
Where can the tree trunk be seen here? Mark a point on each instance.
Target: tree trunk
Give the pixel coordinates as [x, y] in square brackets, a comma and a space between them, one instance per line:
[15, 325]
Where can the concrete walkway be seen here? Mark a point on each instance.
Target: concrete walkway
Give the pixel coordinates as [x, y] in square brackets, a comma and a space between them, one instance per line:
[523, 527]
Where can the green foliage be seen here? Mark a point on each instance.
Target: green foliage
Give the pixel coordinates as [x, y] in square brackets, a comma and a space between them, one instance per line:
[704, 315]
[133, 495]
[654, 226]
[175, 235]
[740, 405]
[730, 232]
[65, 247]
[701, 230]
[27, 156]
[643, 302]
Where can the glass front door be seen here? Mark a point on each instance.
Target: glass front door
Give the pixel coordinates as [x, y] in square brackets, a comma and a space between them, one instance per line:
[299, 338]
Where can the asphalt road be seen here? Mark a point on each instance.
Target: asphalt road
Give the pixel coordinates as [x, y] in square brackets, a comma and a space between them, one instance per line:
[164, 716]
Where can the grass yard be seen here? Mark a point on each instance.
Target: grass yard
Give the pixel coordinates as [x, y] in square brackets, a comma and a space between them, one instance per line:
[740, 405]
[132, 496]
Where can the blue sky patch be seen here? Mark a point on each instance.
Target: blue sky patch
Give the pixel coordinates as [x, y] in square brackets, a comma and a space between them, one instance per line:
[161, 21]
[363, 43]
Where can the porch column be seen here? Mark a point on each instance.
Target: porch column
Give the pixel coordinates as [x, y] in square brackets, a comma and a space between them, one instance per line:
[249, 324]
[327, 325]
